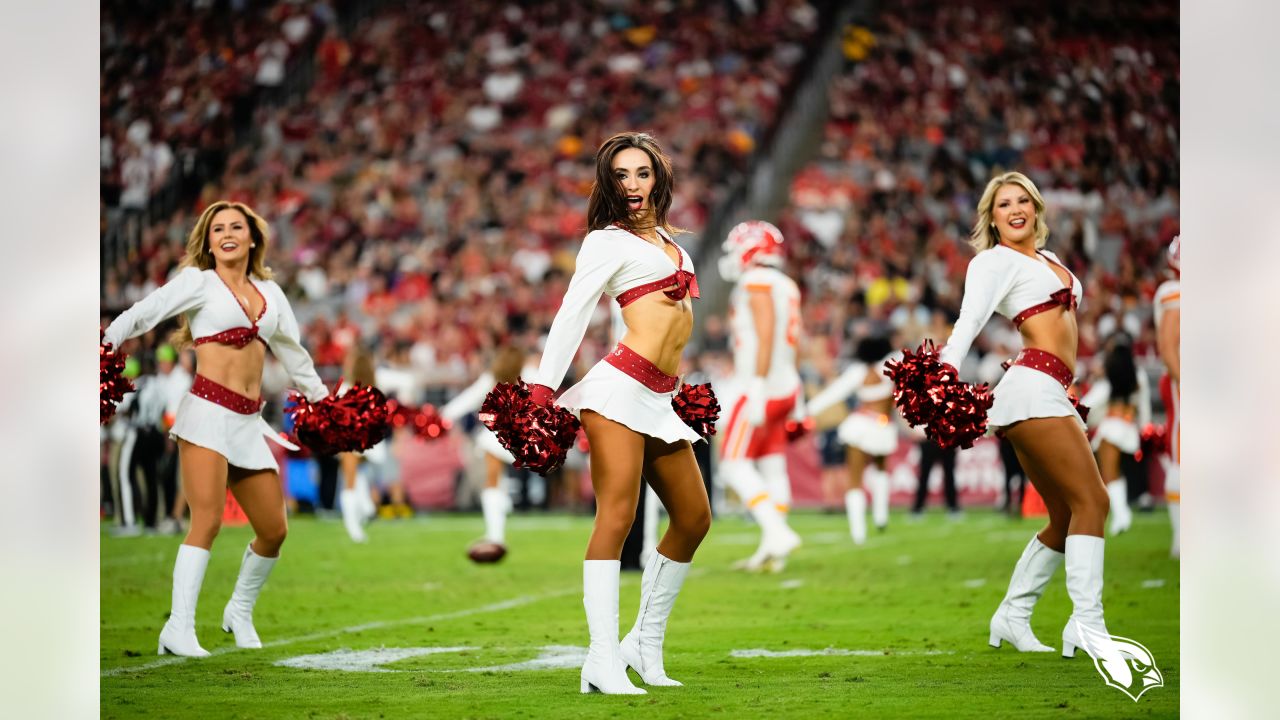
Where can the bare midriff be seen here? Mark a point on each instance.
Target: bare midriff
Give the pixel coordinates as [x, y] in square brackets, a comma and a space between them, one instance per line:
[658, 328]
[1121, 409]
[882, 406]
[1054, 331]
[238, 369]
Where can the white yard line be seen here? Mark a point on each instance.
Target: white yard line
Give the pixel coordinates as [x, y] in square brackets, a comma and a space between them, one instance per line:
[763, 653]
[492, 607]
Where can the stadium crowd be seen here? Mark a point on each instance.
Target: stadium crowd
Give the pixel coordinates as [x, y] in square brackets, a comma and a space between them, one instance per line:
[427, 194]
[952, 94]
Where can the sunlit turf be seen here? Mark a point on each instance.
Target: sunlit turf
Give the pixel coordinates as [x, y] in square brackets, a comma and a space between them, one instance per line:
[903, 620]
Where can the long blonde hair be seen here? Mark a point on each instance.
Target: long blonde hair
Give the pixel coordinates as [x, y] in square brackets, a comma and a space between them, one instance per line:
[984, 234]
[199, 256]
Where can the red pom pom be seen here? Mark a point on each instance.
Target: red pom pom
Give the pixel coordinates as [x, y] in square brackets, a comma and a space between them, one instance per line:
[963, 415]
[697, 407]
[928, 392]
[1081, 408]
[357, 420]
[1155, 440]
[112, 384]
[428, 424]
[797, 429]
[538, 436]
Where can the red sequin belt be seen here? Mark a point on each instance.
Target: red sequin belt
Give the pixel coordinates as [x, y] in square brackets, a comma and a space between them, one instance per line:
[1045, 362]
[634, 364]
[236, 337]
[205, 388]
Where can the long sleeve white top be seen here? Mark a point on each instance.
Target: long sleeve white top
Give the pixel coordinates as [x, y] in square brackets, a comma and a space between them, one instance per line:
[1003, 280]
[210, 308]
[470, 399]
[610, 262]
[854, 381]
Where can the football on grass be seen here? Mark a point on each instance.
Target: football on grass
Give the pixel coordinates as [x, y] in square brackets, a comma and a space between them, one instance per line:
[486, 551]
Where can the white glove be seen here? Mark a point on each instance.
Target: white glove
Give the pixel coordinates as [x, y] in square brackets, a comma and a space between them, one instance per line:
[755, 402]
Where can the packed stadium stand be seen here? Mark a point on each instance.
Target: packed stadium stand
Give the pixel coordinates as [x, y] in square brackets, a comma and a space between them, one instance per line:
[425, 165]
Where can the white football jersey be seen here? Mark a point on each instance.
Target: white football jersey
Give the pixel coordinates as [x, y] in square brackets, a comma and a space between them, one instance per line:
[783, 377]
[1168, 297]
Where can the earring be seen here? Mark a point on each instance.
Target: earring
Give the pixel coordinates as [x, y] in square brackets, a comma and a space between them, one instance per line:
[253, 245]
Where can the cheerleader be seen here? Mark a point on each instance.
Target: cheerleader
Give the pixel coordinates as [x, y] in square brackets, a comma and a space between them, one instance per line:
[868, 433]
[624, 403]
[355, 499]
[234, 311]
[1126, 395]
[495, 498]
[1012, 274]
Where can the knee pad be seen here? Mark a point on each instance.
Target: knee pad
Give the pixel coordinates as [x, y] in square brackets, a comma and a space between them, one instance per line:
[742, 477]
[1172, 481]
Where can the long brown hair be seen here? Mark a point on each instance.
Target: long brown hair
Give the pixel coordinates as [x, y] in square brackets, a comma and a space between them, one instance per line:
[608, 204]
[507, 364]
[199, 256]
[359, 366]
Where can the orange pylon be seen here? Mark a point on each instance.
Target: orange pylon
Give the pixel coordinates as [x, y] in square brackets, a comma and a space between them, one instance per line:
[232, 514]
[1032, 503]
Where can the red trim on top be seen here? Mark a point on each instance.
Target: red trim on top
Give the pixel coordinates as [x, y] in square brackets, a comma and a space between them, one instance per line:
[685, 282]
[243, 309]
[1064, 297]
[639, 367]
[235, 337]
[238, 337]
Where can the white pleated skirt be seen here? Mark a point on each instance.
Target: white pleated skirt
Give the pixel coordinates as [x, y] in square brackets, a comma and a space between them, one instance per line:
[1119, 432]
[872, 433]
[1023, 394]
[488, 442]
[621, 398]
[241, 439]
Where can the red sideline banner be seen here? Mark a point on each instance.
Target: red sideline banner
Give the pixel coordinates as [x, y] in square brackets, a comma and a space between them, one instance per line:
[979, 475]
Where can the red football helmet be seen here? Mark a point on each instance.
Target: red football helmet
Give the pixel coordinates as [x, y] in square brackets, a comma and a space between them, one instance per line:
[1174, 254]
[750, 242]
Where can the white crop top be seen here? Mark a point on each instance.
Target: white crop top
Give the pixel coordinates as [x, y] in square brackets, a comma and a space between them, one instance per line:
[611, 261]
[1001, 279]
[1100, 394]
[853, 381]
[212, 311]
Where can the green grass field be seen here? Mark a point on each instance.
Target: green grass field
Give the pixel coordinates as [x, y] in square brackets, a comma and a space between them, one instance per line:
[902, 621]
